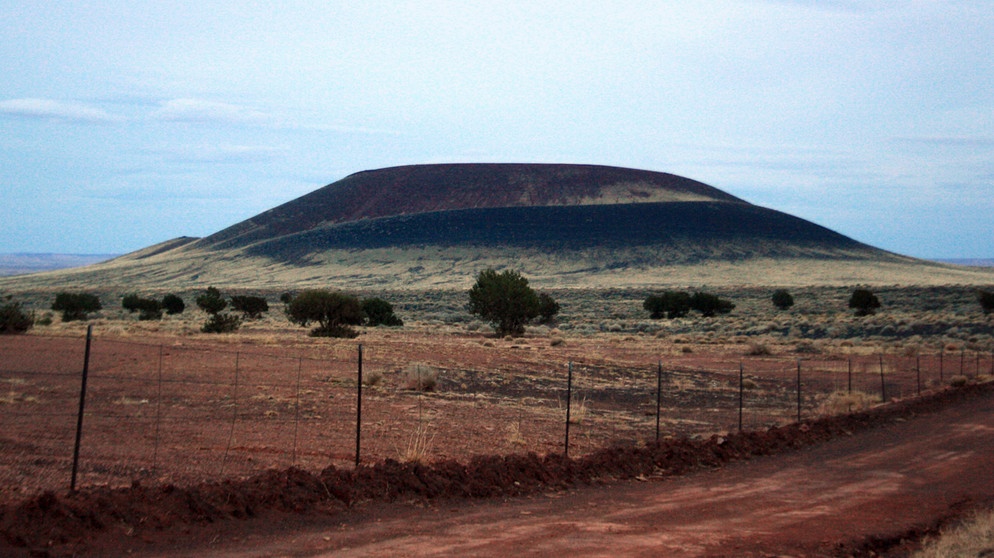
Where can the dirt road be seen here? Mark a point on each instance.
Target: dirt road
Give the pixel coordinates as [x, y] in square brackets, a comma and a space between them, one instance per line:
[819, 501]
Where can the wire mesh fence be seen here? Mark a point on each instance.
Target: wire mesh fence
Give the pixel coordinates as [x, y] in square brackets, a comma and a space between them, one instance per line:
[172, 413]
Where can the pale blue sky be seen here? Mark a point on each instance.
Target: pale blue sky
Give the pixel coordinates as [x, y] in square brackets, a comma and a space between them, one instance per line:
[126, 123]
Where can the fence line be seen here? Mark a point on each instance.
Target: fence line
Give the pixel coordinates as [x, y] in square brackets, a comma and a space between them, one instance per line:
[160, 412]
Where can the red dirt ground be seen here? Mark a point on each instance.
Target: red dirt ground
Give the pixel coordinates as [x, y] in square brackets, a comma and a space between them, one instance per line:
[851, 485]
[163, 410]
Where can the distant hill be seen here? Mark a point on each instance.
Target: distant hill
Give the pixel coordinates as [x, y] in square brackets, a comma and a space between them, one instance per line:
[436, 226]
[972, 262]
[23, 263]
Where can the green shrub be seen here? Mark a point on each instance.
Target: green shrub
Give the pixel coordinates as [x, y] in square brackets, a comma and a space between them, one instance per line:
[548, 308]
[782, 299]
[709, 305]
[670, 304]
[173, 304]
[76, 306]
[211, 301]
[251, 307]
[131, 302]
[864, 302]
[148, 308]
[13, 319]
[333, 312]
[379, 312]
[504, 300]
[221, 323]
[986, 299]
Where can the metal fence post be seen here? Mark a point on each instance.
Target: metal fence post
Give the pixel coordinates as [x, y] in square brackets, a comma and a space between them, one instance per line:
[82, 405]
[569, 401]
[918, 373]
[741, 391]
[798, 390]
[358, 410]
[850, 376]
[883, 386]
[158, 412]
[296, 410]
[659, 395]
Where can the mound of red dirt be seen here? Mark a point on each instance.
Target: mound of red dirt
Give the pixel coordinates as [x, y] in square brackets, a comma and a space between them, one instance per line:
[53, 524]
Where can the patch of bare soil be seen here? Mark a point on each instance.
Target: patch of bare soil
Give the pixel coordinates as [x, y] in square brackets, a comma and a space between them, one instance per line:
[889, 474]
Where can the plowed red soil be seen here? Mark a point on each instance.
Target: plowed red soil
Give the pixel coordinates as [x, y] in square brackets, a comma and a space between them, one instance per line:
[852, 485]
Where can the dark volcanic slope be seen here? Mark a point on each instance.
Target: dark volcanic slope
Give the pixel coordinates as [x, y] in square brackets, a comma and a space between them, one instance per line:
[417, 189]
[726, 227]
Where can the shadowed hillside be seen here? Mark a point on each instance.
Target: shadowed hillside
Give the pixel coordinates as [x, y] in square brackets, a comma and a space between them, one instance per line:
[730, 231]
[418, 189]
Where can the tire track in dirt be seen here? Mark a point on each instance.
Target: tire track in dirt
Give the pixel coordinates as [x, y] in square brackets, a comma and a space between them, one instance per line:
[825, 500]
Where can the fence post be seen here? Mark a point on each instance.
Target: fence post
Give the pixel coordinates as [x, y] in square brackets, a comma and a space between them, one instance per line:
[358, 409]
[883, 387]
[158, 413]
[850, 376]
[942, 351]
[296, 410]
[798, 390]
[82, 404]
[569, 401]
[918, 373]
[741, 390]
[234, 414]
[659, 395]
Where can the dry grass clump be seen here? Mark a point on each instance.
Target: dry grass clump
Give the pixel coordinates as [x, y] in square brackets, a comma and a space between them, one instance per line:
[578, 411]
[420, 377]
[958, 381]
[419, 444]
[757, 348]
[911, 350]
[807, 348]
[15, 397]
[556, 341]
[974, 537]
[842, 402]
[372, 378]
[514, 436]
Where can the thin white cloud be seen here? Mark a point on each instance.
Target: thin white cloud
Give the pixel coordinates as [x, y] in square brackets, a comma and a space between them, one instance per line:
[225, 153]
[203, 111]
[55, 110]
[343, 129]
[949, 141]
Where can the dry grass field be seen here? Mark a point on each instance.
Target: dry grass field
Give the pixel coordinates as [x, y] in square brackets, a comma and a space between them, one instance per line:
[492, 394]
[273, 397]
